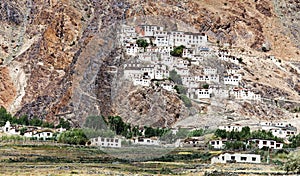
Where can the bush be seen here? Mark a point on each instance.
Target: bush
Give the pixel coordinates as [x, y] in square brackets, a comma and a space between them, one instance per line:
[180, 89]
[205, 86]
[75, 137]
[177, 51]
[63, 124]
[196, 133]
[142, 43]
[175, 77]
[187, 102]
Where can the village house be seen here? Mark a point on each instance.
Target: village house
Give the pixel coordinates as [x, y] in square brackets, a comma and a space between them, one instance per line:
[210, 71]
[196, 59]
[133, 49]
[168, 86]
[276, 124]
[145, 141]
[182, 71]
[283, 132]
[261, 143]
[231, 127]
[161, 38]
[148, 30]
[187, 53]
[193, 142]
[145, 82]
[106, 142]
[197, 93]
[148, 56]
[11, 129]
[237, 158]
[232, 80]
[43, 134]
[220, 92]
[188, 39]
[279, 129]
[217, 144]
[245, 94]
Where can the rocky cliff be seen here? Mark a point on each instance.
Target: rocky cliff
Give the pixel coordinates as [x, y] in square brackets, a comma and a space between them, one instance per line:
[56, 56]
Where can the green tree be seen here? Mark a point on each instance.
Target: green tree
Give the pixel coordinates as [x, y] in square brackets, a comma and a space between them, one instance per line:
[142, 43]
[4, 116]
[35, 121]
[293, 163]
[177, 51]
[180, 89]
[205, 86]
[187, 102]
[175, 77]
[196, 133]
[74, 136]
[63, 124]
[95, 122]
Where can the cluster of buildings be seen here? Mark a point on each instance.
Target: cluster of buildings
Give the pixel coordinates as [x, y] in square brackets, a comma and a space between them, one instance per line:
[38, 133]
[282, 130]
[279, 129]
[155, 62]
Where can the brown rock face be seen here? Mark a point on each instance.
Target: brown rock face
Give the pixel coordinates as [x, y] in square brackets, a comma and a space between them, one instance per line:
[66, 49]
[7, 89]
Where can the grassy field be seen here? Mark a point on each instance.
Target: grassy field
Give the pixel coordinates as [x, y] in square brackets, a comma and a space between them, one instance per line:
[21, 158]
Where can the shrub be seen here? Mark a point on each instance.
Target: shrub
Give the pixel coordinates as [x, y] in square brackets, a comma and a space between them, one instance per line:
[142, 43]
[187, 102]
[177, 51]
[175, 77]
[75, 136]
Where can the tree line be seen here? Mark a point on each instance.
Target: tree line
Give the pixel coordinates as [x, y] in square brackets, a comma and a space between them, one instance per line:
[24, 120]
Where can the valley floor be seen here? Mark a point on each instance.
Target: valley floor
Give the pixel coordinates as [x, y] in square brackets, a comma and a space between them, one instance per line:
[53, 159]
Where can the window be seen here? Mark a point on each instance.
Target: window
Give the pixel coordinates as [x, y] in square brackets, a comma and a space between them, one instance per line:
[264, 142]
[232, 157]
[272, 143]
[253, 158]
[243, 158]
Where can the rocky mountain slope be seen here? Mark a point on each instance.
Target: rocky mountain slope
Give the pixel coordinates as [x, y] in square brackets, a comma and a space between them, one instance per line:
[56, 57]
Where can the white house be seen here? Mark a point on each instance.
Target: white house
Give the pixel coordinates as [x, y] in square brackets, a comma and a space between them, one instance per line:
[217, 144]
[148, 30]
[43, 134]
[168, 87]
[161, 38]
[210, 71]
[182, 71]
[231, 127]
[237, 157]
[232, 80]
[10, 129]
[188, 39]
[283, 132]
[141, 82]
[188, 53]
[196, 93]
[106, 142]
[146, 141]
[260, 143]
[133, 49]
[245, 94]
[219, 92]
